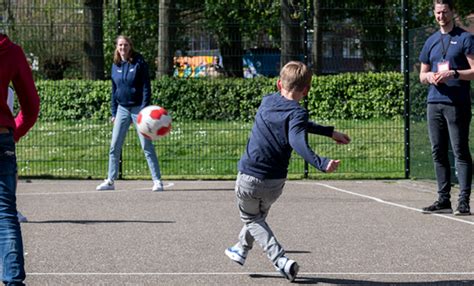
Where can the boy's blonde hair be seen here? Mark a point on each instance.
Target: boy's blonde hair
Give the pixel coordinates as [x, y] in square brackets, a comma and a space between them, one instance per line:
[295, 76]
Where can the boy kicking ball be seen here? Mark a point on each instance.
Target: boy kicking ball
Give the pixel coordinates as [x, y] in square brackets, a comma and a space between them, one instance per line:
[280, 126]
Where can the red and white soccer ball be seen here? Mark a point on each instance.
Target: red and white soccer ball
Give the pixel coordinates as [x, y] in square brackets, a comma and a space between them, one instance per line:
[153, 122]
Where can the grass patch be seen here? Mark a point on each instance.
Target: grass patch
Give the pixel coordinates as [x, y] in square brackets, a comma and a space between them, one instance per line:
[203, 150]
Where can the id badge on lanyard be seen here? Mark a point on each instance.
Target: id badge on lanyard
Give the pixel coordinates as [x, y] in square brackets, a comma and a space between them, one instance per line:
[443, 66]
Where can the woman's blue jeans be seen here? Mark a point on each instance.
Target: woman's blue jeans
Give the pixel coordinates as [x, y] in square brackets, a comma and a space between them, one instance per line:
[11, 244]
[124, 117]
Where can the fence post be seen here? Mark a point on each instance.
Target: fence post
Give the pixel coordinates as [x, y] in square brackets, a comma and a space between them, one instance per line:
[406, 85]
[306, 61]
[119, 17]
[119, 32]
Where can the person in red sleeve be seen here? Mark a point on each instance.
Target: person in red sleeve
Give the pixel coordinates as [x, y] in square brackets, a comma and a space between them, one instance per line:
[14, 68]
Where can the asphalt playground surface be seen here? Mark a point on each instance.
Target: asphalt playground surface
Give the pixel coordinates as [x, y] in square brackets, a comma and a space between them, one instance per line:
[339, 232]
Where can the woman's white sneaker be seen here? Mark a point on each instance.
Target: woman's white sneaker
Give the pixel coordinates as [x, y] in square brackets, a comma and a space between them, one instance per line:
[107, 185]
[157, 186]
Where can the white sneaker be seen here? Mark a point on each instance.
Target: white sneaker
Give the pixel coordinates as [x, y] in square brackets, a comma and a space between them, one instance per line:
[107, 185]
[287, 267]
[157, 186]
[21, 217]
[236, 254]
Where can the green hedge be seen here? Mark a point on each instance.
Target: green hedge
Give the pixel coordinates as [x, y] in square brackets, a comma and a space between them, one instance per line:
[74, 99]
[357, 96]
[343, 96]
[418, 93]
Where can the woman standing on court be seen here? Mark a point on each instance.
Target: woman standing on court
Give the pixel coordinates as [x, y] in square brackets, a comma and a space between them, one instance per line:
[131, 91]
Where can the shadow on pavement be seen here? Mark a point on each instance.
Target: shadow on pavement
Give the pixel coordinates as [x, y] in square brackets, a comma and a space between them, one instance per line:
[316, 280]
[102, 221]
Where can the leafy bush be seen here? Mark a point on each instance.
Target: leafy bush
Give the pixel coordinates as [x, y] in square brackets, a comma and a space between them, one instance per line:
[418, 94]
[357, 96]
[74, 99]
[216, 99]
[343, 96]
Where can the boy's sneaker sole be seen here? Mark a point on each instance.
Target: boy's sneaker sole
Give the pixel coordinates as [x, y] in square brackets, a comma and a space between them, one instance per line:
[234, 256]
[289, 270]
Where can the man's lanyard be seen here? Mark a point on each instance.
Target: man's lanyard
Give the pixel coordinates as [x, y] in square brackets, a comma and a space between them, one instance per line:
[445, 50]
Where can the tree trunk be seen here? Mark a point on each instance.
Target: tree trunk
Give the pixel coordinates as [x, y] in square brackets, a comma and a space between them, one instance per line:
[93, 40]
[374, 43]
[165, 58]
[232, 53]
[291, 32]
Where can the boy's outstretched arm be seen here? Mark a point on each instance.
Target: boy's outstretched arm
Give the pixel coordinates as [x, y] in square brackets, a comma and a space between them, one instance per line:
[314, 128]
[297, 127]
[328, 131]
[340, 137]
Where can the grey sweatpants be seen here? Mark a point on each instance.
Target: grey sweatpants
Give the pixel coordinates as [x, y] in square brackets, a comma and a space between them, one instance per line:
[254, 199]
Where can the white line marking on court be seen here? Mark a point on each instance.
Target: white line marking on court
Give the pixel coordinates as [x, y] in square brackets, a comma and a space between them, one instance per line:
[392, 204]
[244, 273]
[169, 185]
[92, 191]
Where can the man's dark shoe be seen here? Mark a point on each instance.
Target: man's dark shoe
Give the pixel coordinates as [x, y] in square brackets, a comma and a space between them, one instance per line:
[438, 208]
[463, 209]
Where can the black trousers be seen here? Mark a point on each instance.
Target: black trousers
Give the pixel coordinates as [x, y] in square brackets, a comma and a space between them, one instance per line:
[450, 123]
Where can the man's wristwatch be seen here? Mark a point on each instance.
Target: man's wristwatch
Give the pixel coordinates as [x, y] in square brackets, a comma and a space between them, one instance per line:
[456, 74]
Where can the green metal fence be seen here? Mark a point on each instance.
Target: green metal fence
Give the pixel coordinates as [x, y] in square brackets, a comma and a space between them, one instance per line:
[74, 40]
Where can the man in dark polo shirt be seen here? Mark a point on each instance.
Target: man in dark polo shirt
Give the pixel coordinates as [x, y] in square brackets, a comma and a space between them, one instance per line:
[447, 65]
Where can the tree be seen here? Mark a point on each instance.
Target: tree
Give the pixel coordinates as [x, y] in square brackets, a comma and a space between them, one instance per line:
[376, 21]
[138, 20]
[317, 45]
[53, 42]
[93, 40]
[225, 17]
[240, 25]
[291, 31]
[165, 56]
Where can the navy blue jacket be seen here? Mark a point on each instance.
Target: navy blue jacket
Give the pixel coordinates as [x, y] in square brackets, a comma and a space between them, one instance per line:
[130, 84]
[279, 128]
[455, 45]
